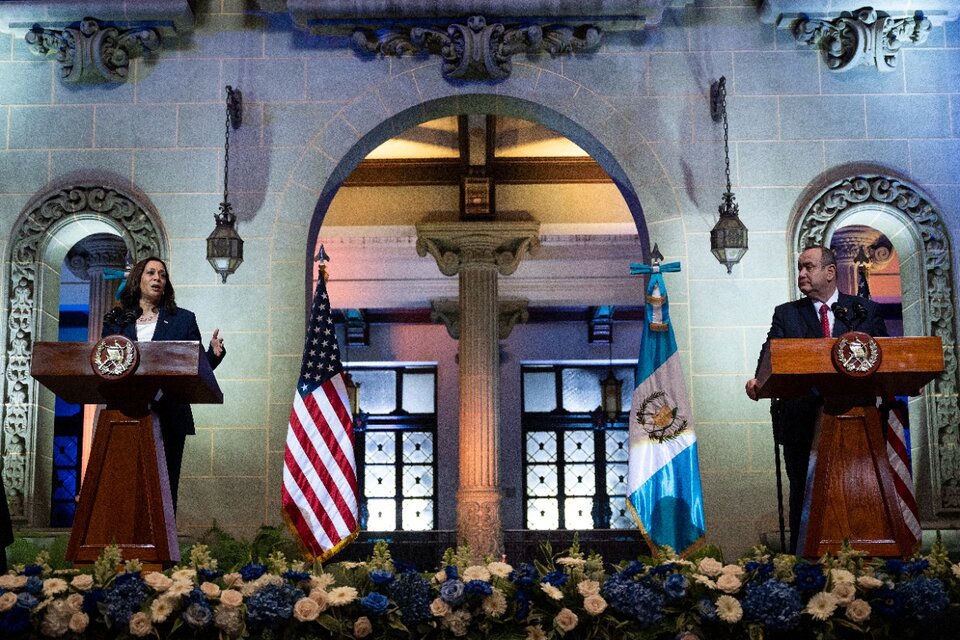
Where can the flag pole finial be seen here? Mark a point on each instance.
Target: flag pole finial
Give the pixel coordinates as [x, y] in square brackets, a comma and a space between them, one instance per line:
[655, 256]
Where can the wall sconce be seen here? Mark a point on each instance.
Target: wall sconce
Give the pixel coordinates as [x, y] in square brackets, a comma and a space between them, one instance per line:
[224, 244]
[728, 238]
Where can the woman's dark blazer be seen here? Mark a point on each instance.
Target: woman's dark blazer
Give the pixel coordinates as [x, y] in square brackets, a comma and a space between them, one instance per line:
[180, 325]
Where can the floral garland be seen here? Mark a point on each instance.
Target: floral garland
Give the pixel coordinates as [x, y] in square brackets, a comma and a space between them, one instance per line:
[572, 596]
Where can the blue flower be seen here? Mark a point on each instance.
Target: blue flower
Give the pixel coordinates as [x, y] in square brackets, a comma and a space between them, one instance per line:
[675, 586]
[556, 578]
[14, 621]
[524, 575]
[34, 585]
[663, 569]
[809, 577]
[773, 604]
[452, 572]
[917, 567]
[706, 609]
[271, 605]
[633, 568]
[375, 603]
[522, 598]
[197, 616]
[90, 601]
[208, 575]
[451, 592]
[887, 602]
[124, 597]
[404, 567]
[381, 577]
[923, 597]
[32, 570]
[411, 592]
[296, 577]
[478, 588]
[27, 600]
[251, 571]
[763, 570]
[894, 566]
[638, 600]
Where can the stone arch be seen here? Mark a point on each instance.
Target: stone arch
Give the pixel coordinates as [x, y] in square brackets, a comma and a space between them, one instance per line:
[40, 239]
[518, 107]
[928, 305]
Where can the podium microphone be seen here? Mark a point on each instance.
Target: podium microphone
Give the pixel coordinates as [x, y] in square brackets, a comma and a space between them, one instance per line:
[840, 313]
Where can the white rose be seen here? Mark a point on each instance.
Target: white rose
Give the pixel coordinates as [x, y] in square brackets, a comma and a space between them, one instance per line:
[75, 602]
[845, 592]
[869, 582]
[210, 589]
[588, 588]
[82, 582]
[858, 610]
[438, 608]
[728, 583]
[566, 620]
[184, 574]
[231, 598]
[732, 570]
[157, 581]
[594, 604]
[306, 610]
[78, 622]
[233, 580]
[362, 627]
[7, 601]
[536, 633]
[710, 567]
[140, 624]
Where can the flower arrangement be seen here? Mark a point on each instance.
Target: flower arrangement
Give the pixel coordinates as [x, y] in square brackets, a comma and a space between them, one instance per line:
[569, 596]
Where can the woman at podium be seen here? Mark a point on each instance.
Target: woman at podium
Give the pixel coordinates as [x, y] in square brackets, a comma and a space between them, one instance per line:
[148, 312]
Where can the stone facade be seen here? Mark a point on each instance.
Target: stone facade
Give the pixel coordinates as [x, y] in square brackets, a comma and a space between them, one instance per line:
[145, 154]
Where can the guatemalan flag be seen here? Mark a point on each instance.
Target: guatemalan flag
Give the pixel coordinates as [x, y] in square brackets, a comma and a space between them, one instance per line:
[663, 483]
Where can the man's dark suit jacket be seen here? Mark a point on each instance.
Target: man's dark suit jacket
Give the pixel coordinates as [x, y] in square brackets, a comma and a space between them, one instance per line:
[799, 319]
[182, 325]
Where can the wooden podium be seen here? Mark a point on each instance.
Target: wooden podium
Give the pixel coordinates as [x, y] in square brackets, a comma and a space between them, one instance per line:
[850, 492]
[125, 497]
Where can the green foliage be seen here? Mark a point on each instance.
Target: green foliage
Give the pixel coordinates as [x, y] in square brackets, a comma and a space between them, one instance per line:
[270, 539]
[25, 550]
[229, 552]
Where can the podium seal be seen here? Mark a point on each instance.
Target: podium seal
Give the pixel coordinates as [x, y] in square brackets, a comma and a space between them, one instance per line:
[856, 354]
[114, 357]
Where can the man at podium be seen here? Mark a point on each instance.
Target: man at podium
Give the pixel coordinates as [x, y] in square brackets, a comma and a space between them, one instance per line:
[823, 312]
[148, 312]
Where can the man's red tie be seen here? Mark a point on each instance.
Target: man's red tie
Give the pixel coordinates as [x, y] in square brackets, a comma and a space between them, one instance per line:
[824, 321]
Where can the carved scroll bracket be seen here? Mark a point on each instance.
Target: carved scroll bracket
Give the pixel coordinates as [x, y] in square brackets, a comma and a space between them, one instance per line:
[93, 52]
[478, 50]
[509, 314]
[851, 34]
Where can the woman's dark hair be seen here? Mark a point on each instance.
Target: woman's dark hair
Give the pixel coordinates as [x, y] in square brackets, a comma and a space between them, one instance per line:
[130, 297]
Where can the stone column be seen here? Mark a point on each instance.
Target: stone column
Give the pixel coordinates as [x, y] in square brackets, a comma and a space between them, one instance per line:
[87, 260]
[846, 243]
[478, 252]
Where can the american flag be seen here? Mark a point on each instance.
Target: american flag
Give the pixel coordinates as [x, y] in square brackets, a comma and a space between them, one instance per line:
[319, 471]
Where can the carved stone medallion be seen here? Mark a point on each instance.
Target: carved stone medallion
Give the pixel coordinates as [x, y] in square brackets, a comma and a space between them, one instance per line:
[115, 357]
[856, 354]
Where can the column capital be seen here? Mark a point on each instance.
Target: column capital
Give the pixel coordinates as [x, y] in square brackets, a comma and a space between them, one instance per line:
[509, 313]
[497, 244]
[88, 258]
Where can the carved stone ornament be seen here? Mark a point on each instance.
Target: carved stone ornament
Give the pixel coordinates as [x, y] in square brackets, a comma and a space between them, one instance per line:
[29, 239]
[509, 314]
[499, 245]
[942, 406]
[93, 52]
[478, 522]
[865, 37]
[478, 50]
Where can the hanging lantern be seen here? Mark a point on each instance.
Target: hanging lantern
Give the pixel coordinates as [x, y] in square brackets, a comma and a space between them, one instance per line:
[224, 244]
[728, 238]
[611, 398]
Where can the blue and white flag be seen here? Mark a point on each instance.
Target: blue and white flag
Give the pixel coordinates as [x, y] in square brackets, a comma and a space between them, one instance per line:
[663, 484]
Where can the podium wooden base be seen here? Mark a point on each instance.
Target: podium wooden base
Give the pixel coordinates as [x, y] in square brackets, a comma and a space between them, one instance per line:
[125, 497]
[850, 492]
